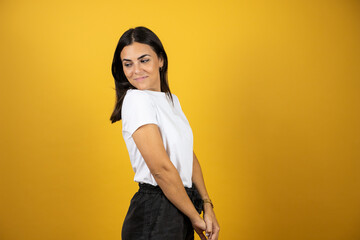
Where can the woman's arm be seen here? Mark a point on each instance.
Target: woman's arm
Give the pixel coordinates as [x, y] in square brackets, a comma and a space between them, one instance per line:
[212, 226]
[149, 142]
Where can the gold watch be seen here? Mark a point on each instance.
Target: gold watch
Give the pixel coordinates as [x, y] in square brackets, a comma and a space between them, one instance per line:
[206, 200]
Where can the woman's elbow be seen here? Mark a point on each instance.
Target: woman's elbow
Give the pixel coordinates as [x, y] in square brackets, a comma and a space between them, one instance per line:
[162, 172]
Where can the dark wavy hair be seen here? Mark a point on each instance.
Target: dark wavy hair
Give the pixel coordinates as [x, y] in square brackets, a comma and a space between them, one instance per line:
[138, 34]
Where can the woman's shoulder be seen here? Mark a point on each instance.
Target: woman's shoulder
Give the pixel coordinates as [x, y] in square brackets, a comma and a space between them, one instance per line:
[136, 94]
[135, 97]
[146, 94]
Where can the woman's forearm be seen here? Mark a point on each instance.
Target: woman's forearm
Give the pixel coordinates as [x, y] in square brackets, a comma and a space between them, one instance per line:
[212, 226]
[198, 179]
[169, 181]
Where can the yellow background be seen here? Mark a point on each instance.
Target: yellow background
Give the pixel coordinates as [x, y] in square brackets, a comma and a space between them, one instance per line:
[270, 88]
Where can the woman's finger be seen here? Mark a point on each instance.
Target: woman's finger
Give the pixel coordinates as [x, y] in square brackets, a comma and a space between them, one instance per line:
[201, 234]
[216, 230]
[215, 236]
[208, 229]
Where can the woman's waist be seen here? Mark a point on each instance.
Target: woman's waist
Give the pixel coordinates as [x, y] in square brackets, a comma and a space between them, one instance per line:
[149, 188]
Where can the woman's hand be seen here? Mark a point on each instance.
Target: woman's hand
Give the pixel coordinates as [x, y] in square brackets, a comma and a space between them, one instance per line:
[212, 225]
[199, 226]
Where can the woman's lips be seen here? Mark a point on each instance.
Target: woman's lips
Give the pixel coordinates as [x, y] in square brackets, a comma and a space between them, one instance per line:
[140, 78]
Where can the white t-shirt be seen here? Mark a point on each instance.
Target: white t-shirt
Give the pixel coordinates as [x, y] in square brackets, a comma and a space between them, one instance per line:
[142, 107]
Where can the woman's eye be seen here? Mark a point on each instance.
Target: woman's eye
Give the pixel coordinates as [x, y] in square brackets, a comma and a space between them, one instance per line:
[143, 61]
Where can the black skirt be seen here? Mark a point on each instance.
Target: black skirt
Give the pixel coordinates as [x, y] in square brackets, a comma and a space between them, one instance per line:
[152, 216]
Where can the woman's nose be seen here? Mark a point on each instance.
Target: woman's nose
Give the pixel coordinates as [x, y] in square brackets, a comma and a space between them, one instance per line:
[137, 68]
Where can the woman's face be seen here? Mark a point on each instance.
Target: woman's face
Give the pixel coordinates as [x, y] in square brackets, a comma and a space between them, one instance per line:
[141, 66]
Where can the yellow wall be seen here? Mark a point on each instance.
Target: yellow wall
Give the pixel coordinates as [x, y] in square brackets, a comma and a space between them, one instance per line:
[270, 88]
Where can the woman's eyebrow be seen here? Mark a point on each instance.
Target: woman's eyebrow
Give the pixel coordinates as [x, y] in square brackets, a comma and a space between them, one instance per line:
[138, 57]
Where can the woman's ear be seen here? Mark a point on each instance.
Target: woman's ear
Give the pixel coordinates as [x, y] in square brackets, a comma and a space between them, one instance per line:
[161, 61]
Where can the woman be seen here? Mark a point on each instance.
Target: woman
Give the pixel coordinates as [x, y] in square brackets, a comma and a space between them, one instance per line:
[159, 140]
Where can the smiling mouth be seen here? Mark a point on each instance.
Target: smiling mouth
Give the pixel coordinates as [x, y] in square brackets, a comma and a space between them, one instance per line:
[140, 78]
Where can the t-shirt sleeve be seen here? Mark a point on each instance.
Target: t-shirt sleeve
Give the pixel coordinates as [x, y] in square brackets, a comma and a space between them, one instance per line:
[138, 109]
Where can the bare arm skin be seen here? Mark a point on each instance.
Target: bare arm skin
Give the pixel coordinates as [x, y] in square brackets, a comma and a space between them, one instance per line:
[212, 225]
[149, 142]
